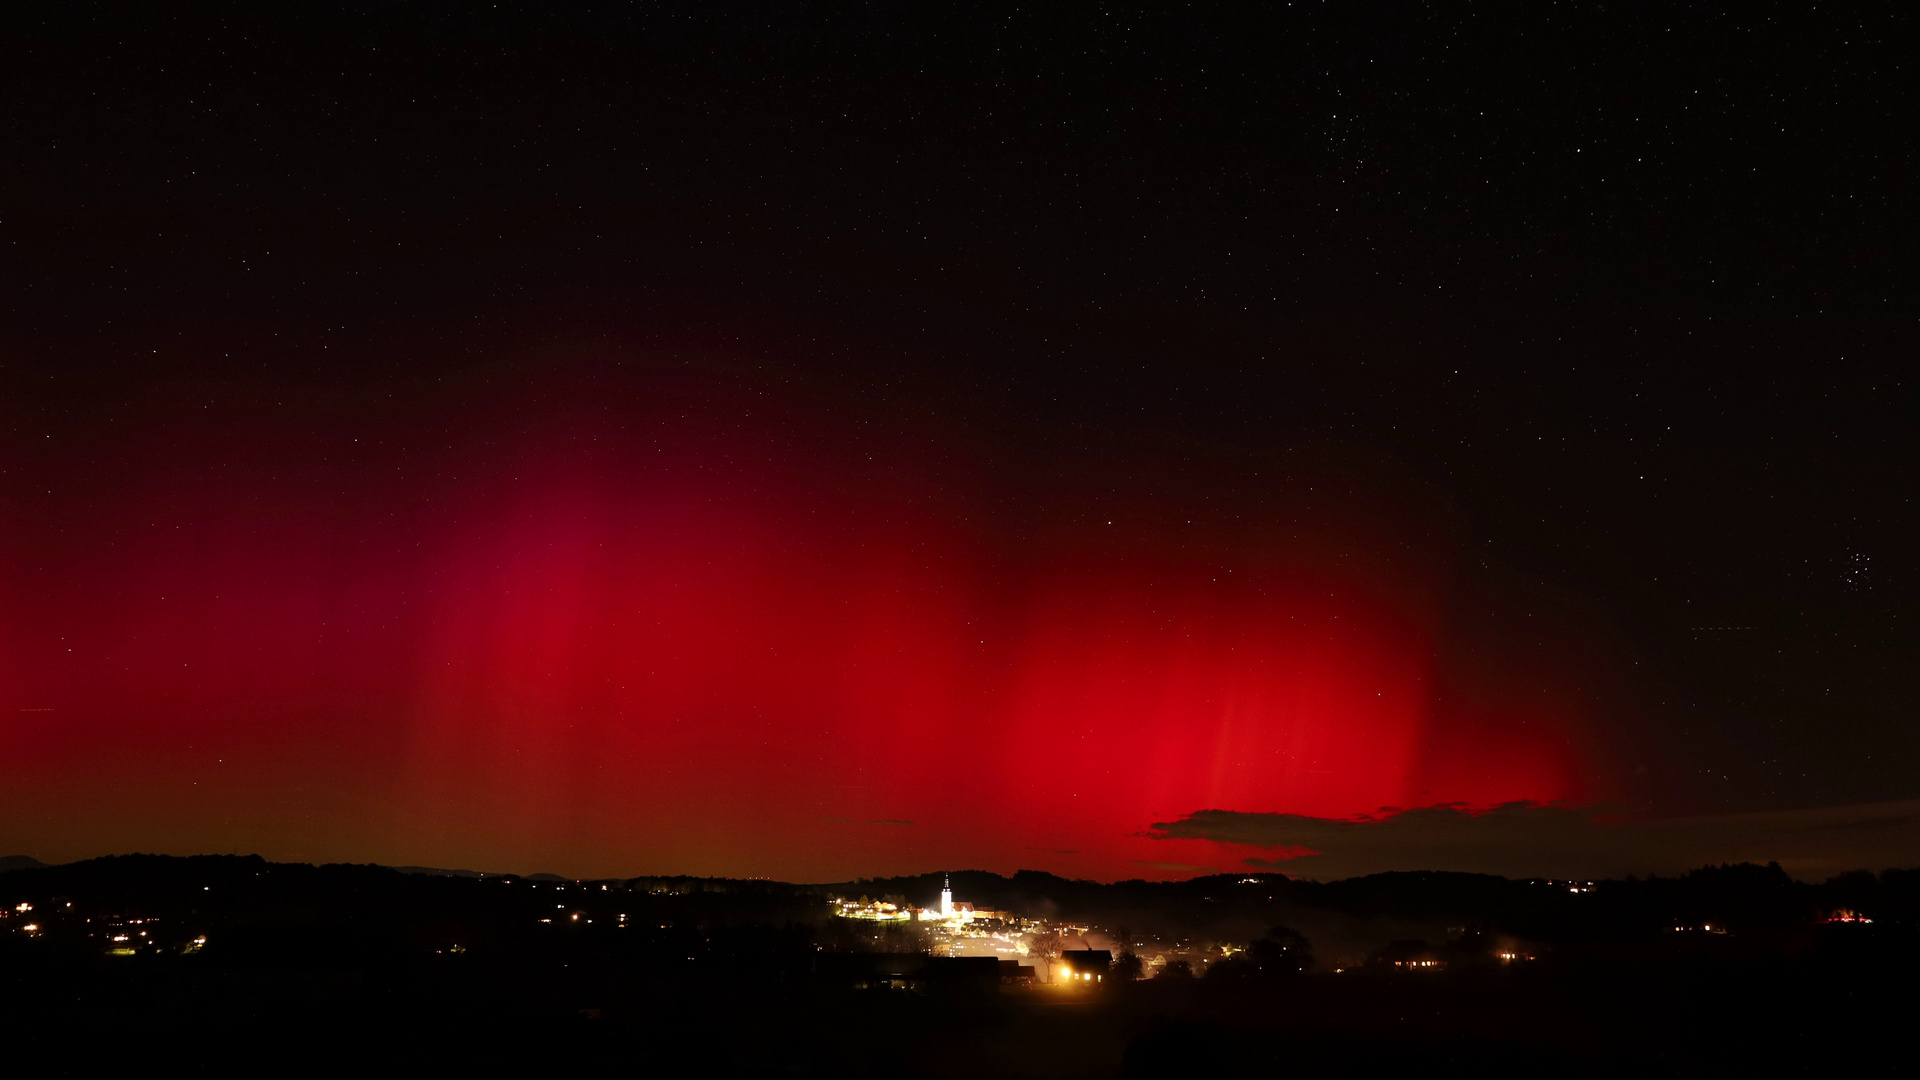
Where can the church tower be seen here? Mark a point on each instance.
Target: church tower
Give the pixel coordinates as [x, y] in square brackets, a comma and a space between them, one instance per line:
[946, 897]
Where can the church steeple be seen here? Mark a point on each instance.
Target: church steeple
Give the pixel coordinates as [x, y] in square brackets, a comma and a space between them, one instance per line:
[946, 896]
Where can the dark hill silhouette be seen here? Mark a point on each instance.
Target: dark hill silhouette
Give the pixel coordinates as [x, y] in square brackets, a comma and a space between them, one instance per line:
[757, 976]
[435, 871]
[19, 862]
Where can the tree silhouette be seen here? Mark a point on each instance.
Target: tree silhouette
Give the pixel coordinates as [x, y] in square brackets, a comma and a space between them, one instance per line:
[1284, 953]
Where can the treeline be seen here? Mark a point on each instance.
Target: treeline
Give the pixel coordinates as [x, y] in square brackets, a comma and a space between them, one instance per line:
[1742, 896]
[234, 899]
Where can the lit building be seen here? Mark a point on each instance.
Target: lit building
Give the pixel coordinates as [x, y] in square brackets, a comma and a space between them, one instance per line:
[873, 910]
[1085, 965]
[1409, 956]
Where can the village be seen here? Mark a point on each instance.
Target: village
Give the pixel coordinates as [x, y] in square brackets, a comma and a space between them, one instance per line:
[1033, 951]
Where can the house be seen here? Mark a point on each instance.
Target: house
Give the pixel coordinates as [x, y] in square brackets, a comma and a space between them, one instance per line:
[1015, 973]
[871, 971]
[1084, 965]
[1412, 955]
[960, 974]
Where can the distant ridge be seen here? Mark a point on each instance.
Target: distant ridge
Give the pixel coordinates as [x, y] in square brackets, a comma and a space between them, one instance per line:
[435, 871]
[19, 862]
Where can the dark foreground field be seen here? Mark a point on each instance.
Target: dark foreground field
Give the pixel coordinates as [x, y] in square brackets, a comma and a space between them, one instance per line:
[1799, 1022]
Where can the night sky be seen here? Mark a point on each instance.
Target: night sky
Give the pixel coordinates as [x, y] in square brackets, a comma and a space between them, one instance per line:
[824, 440]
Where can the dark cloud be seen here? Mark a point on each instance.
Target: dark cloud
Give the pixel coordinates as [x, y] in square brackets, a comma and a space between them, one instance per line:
[1531, 840]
